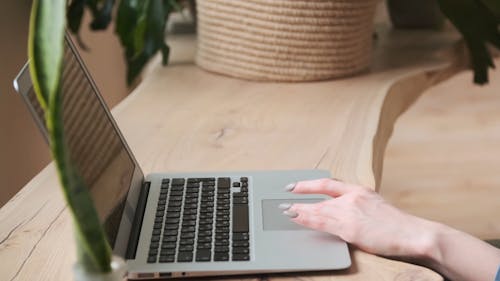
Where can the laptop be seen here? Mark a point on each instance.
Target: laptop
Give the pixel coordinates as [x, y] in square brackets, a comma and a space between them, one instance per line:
[170, 225]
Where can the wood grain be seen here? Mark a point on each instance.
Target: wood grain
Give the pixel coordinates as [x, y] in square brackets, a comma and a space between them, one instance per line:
[442, 162]
[182, 118]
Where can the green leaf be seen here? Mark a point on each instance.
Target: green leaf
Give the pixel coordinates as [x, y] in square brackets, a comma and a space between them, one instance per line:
[46, 49]
[46, 46]
[493, 6]
[75, 15]
[141, 28]
[478, 22]
[102, 16]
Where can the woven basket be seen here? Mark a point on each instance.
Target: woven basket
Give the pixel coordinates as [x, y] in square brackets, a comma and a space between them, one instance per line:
[285, 40]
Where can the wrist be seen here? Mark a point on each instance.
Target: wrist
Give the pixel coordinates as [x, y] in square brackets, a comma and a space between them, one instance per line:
[427, 246]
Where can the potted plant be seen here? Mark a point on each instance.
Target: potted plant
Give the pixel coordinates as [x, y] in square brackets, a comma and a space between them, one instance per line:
[141, 26]
[283, 40]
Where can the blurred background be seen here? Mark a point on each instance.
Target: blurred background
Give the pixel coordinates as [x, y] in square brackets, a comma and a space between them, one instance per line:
[23, 152]
[442, 163]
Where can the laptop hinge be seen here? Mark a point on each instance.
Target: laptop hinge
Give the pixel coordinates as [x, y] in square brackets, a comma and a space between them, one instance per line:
[135, 232]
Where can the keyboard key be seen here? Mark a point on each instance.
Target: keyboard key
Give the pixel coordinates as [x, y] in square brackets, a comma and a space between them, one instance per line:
[188, 241]
[175, 198]
[185, 257]
[170, 245]
[221, 249]
[155, 238]
[168, 258]
[154, 245]
[167, 252]
[241, 257]
[189, 217]
[176, 193]
[223, 207]
[222, 212]
[186, 248]
[223, 196]
[191, 200]
[223, 201]
[191, 195]
[221, 257]
[191, 206]
[240, 236]
[157, 225]
[204, 246]
[240, 244]
[222, 224]
[151, 259]
[173, 215]
[244, 179]
[236, 184]
[240, 250]
[207, 188]
[167, 239]
[188, 223]
[203, 255]
[172, 220]
[187, 235]
[223, 183]
[204, 239]
[193, 180]
[176, 189]
[188, 229]
[204, 232]
[171, 226]
[207, 210]
[221, 236]
[190, 212]
[240, 200]
[178, 181]
[175, 204]
[222, 230]
[240, 218]
[192, 191]
[156, 231]
[222, 242]
[240, 194]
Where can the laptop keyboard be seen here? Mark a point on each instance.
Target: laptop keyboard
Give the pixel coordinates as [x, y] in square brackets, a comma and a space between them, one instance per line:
[202, 220]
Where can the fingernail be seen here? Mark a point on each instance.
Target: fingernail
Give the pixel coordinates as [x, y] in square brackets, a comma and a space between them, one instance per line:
[290, 187]
[290, 214]
[285, 206]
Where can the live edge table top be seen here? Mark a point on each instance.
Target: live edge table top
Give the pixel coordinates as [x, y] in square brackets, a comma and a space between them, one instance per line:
[182, 118]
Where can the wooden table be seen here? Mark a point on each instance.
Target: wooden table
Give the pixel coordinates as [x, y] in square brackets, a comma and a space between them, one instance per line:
[182, 118]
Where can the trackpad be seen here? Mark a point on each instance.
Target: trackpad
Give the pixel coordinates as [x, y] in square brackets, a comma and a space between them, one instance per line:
[273, 218]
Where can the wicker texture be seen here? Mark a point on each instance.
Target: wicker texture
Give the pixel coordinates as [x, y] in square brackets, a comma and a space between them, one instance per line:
[285, 40]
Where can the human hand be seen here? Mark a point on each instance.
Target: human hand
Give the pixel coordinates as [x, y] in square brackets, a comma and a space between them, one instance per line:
[361, 217]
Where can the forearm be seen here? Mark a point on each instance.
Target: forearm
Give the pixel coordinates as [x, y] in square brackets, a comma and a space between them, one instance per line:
[459, 256]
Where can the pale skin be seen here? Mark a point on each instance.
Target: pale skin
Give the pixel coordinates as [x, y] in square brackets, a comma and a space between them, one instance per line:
[364, 219]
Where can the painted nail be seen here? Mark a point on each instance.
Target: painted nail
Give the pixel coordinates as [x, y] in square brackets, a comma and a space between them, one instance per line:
[285, 206]
[290, 214]
[290, 187]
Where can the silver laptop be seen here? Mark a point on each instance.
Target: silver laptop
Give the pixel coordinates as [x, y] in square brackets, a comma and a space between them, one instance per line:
[169, 225]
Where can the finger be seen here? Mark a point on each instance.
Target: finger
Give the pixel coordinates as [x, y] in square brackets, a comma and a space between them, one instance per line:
[307, 217]
[330, 187]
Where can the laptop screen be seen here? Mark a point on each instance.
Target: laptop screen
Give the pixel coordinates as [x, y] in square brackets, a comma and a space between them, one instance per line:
[93, 141]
